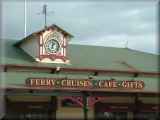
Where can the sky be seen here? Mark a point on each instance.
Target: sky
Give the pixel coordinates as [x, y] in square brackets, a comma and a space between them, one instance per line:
[91, 22]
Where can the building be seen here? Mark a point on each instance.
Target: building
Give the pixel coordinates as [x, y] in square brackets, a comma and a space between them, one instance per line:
[44, 77]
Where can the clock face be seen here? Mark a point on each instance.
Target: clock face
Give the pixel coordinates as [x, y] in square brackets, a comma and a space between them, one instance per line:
[52, 46]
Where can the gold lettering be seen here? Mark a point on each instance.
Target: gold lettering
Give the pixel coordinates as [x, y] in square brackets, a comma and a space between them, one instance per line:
[42, 82]
[64, 83]
[124, 84]
[130, 84]
[140, 85]
[106, 84]
[37, 82]
[85, 83]
[81, 83]
[52, 83]
[48, 82]
[68, 83]
[32, 82]
[100, 84]
[114, 84]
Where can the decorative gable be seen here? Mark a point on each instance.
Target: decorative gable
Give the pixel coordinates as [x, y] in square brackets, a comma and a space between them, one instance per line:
[48, 45]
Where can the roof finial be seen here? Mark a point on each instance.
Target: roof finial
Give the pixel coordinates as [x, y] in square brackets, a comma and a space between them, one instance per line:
[126, 44]
[45, 13]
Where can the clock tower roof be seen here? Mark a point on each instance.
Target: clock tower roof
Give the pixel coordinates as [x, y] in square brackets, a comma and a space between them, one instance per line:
[53, 26]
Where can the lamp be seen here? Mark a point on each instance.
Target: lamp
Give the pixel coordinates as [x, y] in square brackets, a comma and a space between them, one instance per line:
[90, 77]
[136, 75]
[95, 73]
[55, 70]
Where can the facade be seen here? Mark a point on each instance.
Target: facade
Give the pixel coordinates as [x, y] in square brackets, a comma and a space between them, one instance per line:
[45, 77]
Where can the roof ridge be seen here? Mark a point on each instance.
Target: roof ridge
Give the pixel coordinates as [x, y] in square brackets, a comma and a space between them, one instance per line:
[129, 66]
[127, 49]
[95, 46]
[134, 50]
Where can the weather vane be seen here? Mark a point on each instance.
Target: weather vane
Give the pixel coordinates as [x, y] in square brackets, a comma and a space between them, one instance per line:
[45, 13]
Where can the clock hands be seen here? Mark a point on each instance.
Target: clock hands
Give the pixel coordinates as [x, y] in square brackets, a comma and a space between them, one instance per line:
[53, 45]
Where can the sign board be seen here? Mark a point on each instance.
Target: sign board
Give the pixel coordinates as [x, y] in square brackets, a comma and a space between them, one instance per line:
[78, 84]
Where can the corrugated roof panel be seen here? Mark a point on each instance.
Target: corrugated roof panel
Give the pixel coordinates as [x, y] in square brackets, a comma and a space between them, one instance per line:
[84, 56]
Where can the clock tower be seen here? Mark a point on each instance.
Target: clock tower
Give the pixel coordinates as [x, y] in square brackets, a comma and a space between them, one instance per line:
[48, 45]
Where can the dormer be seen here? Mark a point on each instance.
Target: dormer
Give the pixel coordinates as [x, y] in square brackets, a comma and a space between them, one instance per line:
[48, 45]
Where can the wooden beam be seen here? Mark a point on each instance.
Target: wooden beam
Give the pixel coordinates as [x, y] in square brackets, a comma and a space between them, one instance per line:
[54, 93]
[83, 69]
[38, 92]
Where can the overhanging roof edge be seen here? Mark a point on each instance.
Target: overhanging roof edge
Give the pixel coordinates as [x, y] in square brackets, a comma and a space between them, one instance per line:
[80, 69]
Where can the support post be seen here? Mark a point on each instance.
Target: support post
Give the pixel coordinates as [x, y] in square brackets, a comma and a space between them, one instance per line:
[53, 107]
[137, 104]
[85, 107]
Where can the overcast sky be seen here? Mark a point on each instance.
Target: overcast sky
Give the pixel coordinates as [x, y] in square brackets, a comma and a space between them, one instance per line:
[91, 22]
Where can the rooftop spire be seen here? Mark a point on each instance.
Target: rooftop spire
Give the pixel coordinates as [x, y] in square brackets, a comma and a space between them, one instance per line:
[45, 13]
[126, 44]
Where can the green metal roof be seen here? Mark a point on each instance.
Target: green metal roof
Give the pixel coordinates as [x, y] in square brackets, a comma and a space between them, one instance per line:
[84, 56]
